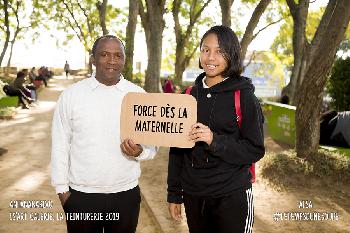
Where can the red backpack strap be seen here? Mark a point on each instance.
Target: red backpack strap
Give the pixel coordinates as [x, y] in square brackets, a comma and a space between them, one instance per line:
[237, 98]
[188, 90]
[238, 108]
[252, 171]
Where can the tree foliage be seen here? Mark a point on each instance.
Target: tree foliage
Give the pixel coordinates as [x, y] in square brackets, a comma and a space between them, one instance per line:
[80, 19]
[186, 15]
[263, 16]
[19, 23]
[282, 45]
[16, 23]
[269, 67]
[339, 83]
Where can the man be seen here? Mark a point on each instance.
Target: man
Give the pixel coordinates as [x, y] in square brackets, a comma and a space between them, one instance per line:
[93, 169]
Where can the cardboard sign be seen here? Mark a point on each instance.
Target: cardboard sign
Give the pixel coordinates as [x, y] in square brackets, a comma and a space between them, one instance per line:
[158, 119]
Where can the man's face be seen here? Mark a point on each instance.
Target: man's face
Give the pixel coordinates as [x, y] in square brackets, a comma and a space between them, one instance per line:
[109, 61]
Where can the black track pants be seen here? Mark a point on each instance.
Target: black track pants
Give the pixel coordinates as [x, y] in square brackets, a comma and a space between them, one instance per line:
[121, 209]
[229, 214]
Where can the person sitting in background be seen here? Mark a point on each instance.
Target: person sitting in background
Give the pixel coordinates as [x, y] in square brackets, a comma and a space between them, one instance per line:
[42, 75]
[21, 83]
[335, 128]
[32, 75]
[30, 85]
[13, 90]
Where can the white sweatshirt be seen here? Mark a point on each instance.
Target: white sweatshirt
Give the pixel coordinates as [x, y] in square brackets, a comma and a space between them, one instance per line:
[86, 152]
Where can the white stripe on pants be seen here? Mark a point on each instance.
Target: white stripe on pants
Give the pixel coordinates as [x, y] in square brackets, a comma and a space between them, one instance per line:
[250, 216]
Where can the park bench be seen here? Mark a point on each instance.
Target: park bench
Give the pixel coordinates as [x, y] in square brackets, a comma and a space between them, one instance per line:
[8, 104]
[7, 101]
[280, 119]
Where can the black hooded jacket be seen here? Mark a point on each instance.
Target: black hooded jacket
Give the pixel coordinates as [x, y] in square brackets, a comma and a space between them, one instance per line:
[223, 167]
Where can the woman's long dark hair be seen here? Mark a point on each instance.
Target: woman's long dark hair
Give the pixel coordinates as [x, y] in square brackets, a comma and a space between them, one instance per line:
[230, 47]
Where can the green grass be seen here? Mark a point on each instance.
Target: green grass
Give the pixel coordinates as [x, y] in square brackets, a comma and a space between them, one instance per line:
[340, 150]
[285, 170]
[8, 101]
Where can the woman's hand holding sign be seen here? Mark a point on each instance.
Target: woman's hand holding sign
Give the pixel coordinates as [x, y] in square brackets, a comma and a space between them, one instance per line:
[129, 148]
[200, 133]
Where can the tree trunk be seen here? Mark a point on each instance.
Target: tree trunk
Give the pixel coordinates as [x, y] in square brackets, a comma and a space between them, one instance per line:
[7, 25]
[153, 24]
[301, 74]
[225, 6]
[18, 29]
[327, 38]
[89, 61]
[299, 14]
[179, 62]
[102, 14]
[130, 38]
[154, 51]
[253, 22]
[10, 58]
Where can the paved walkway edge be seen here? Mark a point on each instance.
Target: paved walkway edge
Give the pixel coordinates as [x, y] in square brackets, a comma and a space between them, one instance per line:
[151, 213]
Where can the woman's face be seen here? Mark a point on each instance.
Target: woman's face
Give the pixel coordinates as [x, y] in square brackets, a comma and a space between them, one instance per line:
[211, 57]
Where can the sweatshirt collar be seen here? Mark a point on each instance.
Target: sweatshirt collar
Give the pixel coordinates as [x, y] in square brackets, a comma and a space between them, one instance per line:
[205, 85]
[95, 84]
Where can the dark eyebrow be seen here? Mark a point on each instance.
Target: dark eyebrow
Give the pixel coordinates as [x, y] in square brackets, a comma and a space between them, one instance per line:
[209, 47]
[104, 51]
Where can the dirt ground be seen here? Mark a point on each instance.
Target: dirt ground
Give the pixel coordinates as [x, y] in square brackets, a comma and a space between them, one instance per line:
[24, 175]
[267, 203]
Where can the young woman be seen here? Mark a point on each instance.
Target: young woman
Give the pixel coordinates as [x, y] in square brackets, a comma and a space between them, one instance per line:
[212, 179]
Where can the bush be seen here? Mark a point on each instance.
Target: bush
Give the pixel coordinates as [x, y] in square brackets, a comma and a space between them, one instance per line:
[6, 79]
[338, 85]
[7, 112]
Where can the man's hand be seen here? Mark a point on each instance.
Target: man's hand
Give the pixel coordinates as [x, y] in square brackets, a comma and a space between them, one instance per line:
[130, 148]
[64, 197]
[175, 211]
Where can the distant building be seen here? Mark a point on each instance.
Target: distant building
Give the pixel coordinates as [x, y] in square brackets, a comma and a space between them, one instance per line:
[262, 87]
[189, 75]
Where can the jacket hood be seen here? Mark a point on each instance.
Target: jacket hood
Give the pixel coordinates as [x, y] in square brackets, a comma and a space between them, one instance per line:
[230, 84]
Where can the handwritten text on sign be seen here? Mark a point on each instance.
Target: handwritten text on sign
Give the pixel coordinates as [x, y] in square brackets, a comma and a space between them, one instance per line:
[158, 119]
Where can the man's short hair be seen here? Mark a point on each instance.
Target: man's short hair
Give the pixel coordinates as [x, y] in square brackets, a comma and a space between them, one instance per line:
[94, 47]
